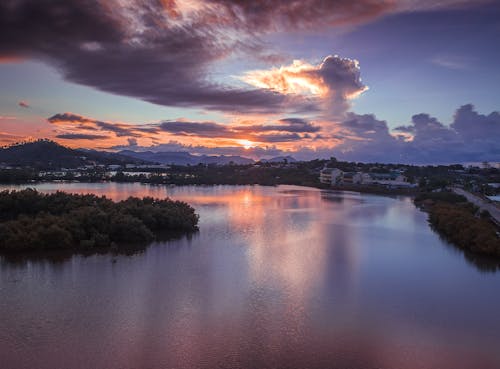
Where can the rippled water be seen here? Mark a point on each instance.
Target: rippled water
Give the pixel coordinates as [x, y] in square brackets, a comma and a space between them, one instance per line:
[284, 277]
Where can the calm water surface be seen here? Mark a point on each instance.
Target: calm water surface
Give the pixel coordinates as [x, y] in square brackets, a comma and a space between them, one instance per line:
[284, 277]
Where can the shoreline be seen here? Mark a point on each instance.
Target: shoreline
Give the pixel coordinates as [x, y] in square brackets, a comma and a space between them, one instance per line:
[374, 190]
[461, 223]
[377, 190]
[32, 221]
[423, 204]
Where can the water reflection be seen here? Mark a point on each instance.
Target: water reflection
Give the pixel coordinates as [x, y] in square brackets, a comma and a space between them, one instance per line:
[482, 263]
[282, 277]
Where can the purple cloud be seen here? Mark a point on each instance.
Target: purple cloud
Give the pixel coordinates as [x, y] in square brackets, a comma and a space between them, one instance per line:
[84, 123]
[285, 130]
[80, 136]
[162, 51]
[470, 137]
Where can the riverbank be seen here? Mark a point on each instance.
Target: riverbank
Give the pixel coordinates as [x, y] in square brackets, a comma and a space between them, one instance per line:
[375, 190]
[31, 221]
[482, 203]
[461, 222]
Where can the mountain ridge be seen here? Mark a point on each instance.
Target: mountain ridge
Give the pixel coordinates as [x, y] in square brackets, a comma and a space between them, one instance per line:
[186, 158]
[47, 154]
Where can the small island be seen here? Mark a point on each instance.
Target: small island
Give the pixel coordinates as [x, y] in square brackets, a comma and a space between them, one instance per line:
[460, 222]
[32, 221]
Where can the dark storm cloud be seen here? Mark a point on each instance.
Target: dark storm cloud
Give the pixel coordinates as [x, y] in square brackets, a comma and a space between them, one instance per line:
[160, 52]
[470, 137]
[405, 129]
[468, 123]
[365, 138]
[119, 129]
[200, 129]
[256, 132]
[30, 28]
[84, 123]
[293, 125]
[294, 121]
[284, 130]
[80, 136]
[366, 126]
[293, 14]
[278, 137]
[69, 117]
[137, 50]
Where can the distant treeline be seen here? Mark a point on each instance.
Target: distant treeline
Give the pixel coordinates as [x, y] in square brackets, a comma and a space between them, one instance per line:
[30, 220]
[302, 174]
[460, 222]
[17, 175]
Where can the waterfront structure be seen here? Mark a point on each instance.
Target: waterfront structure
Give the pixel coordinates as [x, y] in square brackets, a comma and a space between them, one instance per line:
[335, 176]
[330, 176]
[392, 179]
[352, 178]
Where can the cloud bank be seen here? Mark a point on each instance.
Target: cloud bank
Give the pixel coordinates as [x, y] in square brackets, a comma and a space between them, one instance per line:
[163, 51]
[471, 136]
[76, 126]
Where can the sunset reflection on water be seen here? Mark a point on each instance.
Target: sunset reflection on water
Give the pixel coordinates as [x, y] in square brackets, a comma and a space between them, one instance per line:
[276, 277]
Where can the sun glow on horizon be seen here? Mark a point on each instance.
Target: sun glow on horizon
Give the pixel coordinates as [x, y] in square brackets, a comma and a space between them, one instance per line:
[247, 144]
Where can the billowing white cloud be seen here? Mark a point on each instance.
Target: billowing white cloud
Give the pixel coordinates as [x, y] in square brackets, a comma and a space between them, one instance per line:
[335, 81]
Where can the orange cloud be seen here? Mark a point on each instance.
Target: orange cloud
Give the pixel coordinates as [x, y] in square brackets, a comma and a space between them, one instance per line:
[335, 81]
[76, 127]
[293, 79]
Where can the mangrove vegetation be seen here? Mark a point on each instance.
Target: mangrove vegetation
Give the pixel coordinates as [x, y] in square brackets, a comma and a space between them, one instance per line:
[460, 222]
[32, 221]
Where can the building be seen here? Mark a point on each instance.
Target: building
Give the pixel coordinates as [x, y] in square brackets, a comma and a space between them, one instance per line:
[351, 178]
[335, 176]
[392, 179]
[330, 176]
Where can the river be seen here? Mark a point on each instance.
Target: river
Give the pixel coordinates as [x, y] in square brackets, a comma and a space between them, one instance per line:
[277, 277]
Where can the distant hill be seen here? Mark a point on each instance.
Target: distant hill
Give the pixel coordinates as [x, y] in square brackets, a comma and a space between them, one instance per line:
[46, 154]
[184, 158]
[280, 159]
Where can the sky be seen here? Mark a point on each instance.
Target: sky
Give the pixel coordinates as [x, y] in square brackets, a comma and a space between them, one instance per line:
[373, 80]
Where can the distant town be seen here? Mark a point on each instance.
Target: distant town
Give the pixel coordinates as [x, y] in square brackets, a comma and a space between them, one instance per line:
[45, 160]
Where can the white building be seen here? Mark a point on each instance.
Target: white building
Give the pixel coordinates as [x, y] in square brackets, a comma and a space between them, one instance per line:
[352, 178]
[335, 176]
[330, 176]
[393, 179]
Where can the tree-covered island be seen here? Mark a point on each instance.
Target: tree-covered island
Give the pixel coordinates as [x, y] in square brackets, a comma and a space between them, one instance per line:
[32, 221]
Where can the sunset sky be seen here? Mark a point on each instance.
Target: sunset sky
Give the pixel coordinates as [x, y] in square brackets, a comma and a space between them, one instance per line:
[370, 80]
